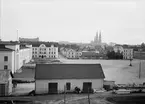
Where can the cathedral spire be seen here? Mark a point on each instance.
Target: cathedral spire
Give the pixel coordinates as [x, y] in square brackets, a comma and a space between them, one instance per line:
[100, 38]
[96, 38]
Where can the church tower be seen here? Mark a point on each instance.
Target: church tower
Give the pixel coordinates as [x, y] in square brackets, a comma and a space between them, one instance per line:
[100, 38]
[96, 38]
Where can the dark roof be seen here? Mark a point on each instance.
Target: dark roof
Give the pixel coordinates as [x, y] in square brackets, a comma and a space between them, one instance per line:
[68, 71]
[89, 53]
[9, 42]
[3, 48]
[37, 44]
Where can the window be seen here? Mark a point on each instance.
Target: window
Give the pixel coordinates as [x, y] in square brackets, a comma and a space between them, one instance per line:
[68, 85]
[5, 58]
[5, 66]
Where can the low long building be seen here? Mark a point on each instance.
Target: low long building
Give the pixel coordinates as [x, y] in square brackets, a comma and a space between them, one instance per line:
[139, 55]
[51, 78]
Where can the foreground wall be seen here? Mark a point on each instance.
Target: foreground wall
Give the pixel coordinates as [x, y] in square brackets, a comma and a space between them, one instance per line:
[41, 86]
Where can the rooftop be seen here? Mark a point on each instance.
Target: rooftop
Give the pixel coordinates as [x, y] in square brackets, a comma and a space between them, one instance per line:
[3, 48]
[68, 71]
[9, 42]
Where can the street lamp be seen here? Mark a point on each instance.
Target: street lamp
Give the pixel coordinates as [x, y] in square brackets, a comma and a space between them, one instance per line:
[130, 59]
[130, 62]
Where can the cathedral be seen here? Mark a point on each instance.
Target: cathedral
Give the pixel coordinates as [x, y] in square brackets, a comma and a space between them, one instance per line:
[97, 39]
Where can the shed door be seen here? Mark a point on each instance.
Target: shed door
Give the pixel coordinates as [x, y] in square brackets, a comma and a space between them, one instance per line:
[52, 87]
[2, 89]
[87, 86]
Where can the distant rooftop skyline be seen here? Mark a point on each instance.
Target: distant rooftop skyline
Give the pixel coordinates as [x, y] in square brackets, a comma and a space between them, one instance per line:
[120, 21]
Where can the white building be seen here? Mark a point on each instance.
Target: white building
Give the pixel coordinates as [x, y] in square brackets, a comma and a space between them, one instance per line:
[42, 51]
[51, 78]
[70, 53]
[128, 53]
[13, 57]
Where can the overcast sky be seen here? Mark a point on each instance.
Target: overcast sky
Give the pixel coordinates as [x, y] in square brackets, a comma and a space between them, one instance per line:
[121, 21]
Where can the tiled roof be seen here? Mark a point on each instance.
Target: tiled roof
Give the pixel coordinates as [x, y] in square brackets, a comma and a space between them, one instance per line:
[68, 71]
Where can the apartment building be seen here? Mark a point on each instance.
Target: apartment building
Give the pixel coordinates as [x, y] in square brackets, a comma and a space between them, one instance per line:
[127, 53]
[44, 51]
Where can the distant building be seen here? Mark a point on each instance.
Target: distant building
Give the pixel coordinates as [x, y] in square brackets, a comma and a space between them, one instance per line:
[97, 40]
[91, 55]
[51, 78]
[29, 39]
[71, 54]
[44, 51]
[127, 53]
[118, 48]
[14, 55]
[112, 44]
[139, 55]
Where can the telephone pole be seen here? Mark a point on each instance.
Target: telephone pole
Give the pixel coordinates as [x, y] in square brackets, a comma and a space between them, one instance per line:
[140, 66]
[64, 95]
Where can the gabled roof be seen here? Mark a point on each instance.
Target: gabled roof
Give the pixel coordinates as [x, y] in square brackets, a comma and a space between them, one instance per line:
[68, 71]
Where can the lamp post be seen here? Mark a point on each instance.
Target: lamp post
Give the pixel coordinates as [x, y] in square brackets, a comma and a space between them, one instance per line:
[130, 59]
[140, 65]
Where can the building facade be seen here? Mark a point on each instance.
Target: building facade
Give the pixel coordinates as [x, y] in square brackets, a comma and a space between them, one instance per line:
[127, 53]
[53, 78]
[71, 54]
[43, 51]
[13, 57]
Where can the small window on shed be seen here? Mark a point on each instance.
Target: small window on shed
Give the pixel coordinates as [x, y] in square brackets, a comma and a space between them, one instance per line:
[68, 86]
[5, 66]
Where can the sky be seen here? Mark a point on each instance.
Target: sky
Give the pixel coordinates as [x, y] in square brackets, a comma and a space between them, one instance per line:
[120, 21]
